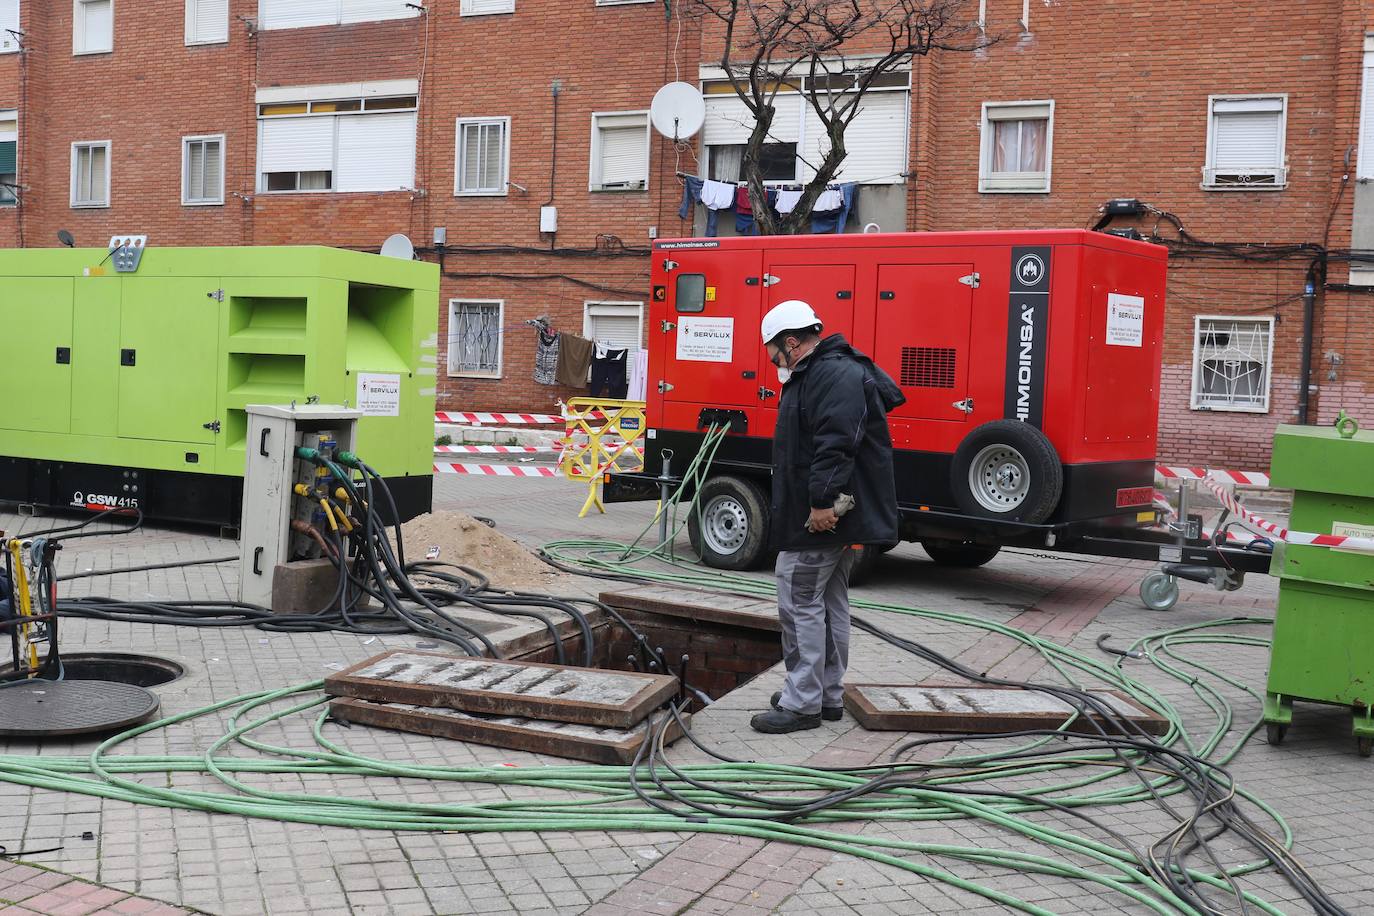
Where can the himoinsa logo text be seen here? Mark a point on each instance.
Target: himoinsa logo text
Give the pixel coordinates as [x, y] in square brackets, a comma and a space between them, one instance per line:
[1028, 311]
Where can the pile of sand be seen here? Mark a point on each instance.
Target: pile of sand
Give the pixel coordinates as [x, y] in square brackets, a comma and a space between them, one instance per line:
[463, 540]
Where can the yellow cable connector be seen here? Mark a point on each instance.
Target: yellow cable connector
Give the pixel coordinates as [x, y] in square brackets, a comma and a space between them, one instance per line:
[301, 489]
[343, 496]
[329, 514]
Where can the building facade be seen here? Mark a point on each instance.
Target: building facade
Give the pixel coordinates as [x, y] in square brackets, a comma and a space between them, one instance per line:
[510, 140]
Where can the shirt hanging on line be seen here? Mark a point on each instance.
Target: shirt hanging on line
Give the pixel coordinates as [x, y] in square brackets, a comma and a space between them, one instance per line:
[574, 359]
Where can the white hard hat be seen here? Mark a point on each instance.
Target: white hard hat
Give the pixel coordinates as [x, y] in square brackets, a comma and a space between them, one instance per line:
[792, 315]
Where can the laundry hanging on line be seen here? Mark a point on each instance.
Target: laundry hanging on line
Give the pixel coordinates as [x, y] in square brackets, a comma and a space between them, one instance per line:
[574, 359]
[546, 356]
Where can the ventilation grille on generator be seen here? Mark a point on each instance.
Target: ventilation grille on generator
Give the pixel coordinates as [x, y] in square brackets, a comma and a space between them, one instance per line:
[928, 367]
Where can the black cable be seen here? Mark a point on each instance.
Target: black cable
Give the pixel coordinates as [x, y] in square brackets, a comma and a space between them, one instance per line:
[151, 566]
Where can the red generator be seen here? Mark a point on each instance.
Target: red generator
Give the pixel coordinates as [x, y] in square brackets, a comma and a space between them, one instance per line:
[1030, 362]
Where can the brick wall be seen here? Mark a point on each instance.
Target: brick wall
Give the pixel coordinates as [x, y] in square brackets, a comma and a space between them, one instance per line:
[1130, 120]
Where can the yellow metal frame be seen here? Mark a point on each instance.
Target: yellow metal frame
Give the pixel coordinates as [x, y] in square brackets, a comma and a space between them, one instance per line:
[599, 420]
[25, 602]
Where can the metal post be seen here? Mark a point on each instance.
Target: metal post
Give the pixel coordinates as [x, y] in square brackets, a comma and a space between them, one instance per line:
[664, 494]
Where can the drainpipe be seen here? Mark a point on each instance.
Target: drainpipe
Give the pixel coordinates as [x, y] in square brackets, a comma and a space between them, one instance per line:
[1309, 301]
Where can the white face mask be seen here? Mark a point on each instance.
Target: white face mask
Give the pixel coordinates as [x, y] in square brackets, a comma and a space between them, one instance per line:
[784, 374]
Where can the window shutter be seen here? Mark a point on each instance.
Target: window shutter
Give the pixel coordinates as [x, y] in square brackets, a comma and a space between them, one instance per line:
[207, 21]
[376, 152]
[617, 326]
[293, 14]
[480, 7]
[875, 141]
[97, 25]
[8, 157]
[195, 171]
[296, 145]
[374, 10]
[9, 19]
[1246, 134]
[729, 120]
[624, 154]
[1365, 166]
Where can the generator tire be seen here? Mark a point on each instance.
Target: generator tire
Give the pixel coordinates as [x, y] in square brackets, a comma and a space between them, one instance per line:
[1007, 470]
[728, 527]
[964, 556]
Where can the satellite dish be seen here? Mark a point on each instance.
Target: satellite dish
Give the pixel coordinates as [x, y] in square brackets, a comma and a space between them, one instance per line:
[678, 111]
[398, 246]
[66, 238]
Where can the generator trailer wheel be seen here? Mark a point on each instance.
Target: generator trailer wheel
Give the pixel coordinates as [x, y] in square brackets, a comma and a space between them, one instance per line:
[729, 526]
[966, 555]
[1159, 591]
[1007, 470]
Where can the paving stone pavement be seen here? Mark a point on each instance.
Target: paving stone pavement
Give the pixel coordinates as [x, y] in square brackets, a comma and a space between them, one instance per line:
[229, 865]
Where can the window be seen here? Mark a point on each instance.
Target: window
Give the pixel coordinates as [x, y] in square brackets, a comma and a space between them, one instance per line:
[9, 158]
[690, 295]
[1365, 167]
[92, 26]
[1231, 360]
[295, 14]
[335, 144]
[474, 338]
[1017, 146]
[483, 156]
[619, 325]
[9, 25]
[91, 174]
[1245, 143]
[207, 21]
[620, 151]
[875, 141]
[620, 2]
[202, 170]
[486, 7]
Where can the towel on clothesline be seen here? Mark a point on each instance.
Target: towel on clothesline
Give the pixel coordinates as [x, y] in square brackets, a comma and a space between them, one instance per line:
[834, 220]
[639, 376]
[829, 200]
[574, 359]
[717, 195]
[787, 201]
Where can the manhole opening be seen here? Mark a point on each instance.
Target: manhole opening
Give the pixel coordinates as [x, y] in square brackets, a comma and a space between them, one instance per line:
[721, 657]
[139, 670]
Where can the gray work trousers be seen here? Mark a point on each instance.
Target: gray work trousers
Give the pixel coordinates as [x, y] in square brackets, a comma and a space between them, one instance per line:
[813, 607]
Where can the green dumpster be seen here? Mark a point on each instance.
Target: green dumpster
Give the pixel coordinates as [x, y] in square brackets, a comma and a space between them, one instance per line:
[1323, 647]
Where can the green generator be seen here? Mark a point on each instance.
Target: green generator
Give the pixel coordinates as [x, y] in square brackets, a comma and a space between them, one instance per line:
[1323, 647]
[128, 371]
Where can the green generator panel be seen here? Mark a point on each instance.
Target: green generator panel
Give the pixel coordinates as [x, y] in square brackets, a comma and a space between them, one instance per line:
[130, 389]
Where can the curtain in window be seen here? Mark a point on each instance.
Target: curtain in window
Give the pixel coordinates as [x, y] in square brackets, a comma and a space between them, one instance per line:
[727, 162]
[1019, 146]
[1033, 135]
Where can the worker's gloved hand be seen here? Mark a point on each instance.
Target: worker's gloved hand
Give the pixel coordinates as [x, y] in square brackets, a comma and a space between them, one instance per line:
[822, 520]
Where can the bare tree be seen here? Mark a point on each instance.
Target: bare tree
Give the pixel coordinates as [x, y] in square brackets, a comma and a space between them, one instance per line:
[833, 52]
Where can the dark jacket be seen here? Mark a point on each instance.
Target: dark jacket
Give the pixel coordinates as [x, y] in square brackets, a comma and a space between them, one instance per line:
[832, 438]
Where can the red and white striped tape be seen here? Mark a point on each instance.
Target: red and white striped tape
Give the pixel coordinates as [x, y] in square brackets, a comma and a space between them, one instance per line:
[1229, 500]
[493, 470]
[1244, 478]
[505, 419]
[498, 449]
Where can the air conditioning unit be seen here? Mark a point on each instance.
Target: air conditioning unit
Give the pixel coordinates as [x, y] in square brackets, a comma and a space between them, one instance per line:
[1272, 179]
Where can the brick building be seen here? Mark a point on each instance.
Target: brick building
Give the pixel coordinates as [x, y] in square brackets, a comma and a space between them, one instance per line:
[227, 122]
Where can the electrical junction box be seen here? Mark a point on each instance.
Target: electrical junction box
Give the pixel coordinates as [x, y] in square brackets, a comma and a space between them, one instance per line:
[267, 539]
[135, 386]
[548, 219]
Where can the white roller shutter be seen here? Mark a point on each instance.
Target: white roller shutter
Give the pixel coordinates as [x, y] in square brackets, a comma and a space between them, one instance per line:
[622, 149]
[294, 14]
[376, 152]
[616, 325]
[875, 141]
[374, 10]
[296, 145]
[1247, 134]
[9, 19]
[729, 120]
[483, 7]
[1365, 168]
[96, 23]
[207, 21]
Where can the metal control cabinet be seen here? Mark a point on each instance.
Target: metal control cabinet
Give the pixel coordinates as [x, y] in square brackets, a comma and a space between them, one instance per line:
[271, 472]
[135, 384]
[1323, 648]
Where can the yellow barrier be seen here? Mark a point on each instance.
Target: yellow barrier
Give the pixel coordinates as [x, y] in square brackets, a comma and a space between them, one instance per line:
[600, 435]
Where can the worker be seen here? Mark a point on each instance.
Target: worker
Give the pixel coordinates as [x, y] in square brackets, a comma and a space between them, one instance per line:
[833, 489]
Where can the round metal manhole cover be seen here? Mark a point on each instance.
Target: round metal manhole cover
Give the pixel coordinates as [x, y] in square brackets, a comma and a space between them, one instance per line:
[39, 708]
